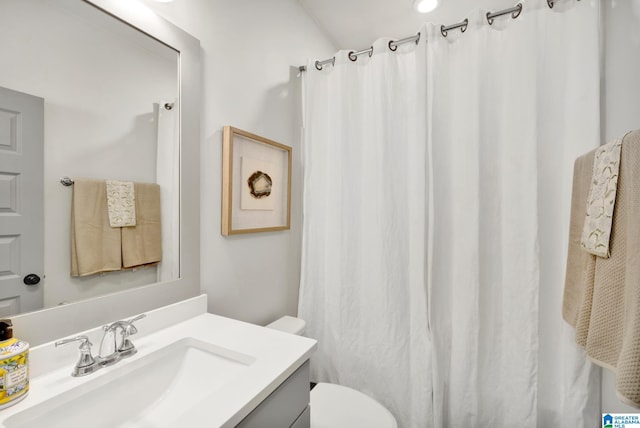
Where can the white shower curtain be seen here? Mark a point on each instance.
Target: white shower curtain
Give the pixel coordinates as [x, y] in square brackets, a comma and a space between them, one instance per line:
[363, 290]
[447, 168]
[513, 104]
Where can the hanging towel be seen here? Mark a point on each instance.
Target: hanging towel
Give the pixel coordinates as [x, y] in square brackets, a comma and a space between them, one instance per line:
[95, 245]
[578, 261]
[142, 244]
[601, 200]
[602, 296]
[121, 202]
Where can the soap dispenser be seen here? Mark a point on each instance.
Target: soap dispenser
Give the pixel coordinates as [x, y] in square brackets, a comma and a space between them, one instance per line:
[14, 366]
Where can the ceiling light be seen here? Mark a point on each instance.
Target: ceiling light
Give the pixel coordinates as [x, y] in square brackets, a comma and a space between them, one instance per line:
[424, 6]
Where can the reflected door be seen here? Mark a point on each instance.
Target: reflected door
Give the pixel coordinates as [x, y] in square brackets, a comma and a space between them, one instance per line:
[21, 202]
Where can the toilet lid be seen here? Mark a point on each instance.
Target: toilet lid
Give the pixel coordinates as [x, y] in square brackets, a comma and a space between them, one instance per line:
[335, 406]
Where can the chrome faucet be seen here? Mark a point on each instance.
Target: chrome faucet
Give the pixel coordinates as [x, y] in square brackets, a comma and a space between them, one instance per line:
[88, 364]
[125, 348]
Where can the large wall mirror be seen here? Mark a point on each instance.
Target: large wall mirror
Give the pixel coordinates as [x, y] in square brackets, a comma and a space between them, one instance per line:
[110, 90]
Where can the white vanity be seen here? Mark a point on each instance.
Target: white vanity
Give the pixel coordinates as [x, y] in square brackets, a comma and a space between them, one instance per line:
[192, 369]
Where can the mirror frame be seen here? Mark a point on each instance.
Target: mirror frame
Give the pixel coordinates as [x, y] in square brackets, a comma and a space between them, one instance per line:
[49, 324]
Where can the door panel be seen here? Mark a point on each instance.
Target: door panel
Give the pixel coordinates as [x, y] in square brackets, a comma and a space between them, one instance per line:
[21, 200]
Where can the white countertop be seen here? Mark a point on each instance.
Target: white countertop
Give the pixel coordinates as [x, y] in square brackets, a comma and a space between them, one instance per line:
[277, 355]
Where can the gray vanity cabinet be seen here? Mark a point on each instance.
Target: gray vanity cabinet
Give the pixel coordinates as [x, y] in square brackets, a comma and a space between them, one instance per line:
[286, 407]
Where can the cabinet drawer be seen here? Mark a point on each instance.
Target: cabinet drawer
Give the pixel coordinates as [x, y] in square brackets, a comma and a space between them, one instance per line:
[282, 408]
[304, 420]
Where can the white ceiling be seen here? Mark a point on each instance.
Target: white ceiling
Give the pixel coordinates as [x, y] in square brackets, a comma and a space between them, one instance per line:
[355, 24]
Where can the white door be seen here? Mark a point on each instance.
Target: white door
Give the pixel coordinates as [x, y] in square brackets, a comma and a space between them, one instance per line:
[21, 202]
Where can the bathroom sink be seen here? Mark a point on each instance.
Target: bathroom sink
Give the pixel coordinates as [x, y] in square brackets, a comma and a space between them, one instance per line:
[152, 390]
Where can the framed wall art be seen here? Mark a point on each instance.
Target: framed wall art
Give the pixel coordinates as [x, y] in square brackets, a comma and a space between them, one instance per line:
[256, 183]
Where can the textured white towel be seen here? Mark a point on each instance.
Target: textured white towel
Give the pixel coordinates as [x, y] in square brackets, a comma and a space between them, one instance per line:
[602, 198]
[121, 203]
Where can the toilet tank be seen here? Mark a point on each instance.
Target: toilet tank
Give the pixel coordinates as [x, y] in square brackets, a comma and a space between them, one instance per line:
[289, 324]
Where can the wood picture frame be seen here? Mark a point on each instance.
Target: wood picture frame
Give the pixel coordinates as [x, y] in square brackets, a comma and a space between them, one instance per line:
[256, 183]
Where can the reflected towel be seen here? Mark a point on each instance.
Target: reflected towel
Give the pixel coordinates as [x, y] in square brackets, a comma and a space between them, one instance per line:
[121, 202]
[142, 244]
[95, 245]
[602, 198]
[602, 296]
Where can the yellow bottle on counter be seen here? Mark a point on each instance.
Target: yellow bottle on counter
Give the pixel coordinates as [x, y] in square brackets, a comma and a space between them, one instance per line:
[14, 366]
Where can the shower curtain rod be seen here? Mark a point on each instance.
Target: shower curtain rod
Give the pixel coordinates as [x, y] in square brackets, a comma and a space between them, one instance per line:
[462, 25]
[353, 56]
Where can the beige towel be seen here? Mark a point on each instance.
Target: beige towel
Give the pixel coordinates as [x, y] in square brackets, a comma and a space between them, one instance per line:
[95, 245]
[602, 296]
[142, 244]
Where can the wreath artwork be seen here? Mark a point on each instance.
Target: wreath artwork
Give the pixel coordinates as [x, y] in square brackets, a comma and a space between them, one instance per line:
[260, 184]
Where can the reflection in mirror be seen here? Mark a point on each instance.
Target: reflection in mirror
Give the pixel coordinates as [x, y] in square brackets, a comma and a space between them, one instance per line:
[110, 98]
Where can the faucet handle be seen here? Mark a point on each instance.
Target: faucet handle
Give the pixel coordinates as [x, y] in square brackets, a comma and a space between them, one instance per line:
[137, 318]
[86, 364]
[85, 344]
[129, 328]
[126, 348]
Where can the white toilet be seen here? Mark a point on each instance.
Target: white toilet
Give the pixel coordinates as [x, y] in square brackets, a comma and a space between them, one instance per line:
[335, 406]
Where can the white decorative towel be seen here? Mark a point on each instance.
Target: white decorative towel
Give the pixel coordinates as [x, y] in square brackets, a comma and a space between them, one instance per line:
[602, 198]
[121, 202]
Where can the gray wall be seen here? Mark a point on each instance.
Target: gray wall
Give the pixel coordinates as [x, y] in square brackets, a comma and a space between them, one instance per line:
[247, 46]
